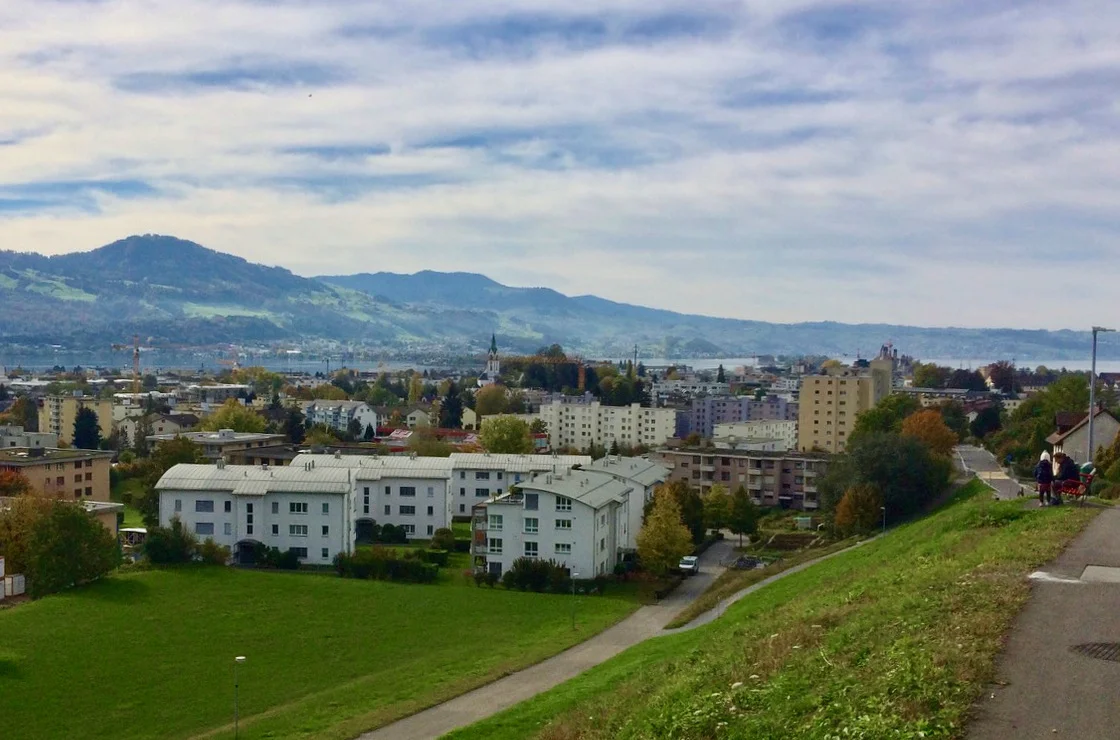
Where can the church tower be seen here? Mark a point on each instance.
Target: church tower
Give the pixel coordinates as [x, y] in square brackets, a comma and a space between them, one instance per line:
[493, 365]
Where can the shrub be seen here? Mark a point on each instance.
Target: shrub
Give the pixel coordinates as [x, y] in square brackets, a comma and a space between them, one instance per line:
[169, 545]
[480, 577]
[68, 548]
[1111, 493]
[444, 539]
[211, 553]
[530, 574]
[462, 545]
[438, 558]
[859, 510]
[392, 535]
[381, 564]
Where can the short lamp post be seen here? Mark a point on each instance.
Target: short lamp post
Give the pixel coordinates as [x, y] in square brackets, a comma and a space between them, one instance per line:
[1093, 392]
[575, 575]
[884, 518]
[236, 662]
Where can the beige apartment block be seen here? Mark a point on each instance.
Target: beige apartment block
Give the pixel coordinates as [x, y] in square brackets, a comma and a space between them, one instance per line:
[57, 415]
[830, 403]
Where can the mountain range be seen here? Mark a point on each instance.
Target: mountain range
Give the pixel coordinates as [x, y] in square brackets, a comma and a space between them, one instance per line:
[176, 292]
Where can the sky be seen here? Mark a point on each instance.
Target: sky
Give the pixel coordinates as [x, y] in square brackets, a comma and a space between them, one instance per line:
[933, 163]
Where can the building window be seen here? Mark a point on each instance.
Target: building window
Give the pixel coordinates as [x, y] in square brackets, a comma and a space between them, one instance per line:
[204, 528]
[494, 546]
[462, 492]
[431, 511]
[297, 530]
[562, 548]
[326, 531]
[326, 508]
[462, 475]
[430, 528]
[388, 490]
[297, 507]
[275, 507]
[178, 504]
[301, 552]
[227, 529]
[326, 553]
[462, 508]
[59, 480]
[365, 502]
[408, 491]
[531, 549]
[602, 544]
[228, 506]
[275, 530]
[431, 491]
[89, 476]
[248, 529]
[563, 503]
[407, 510]
[89, 491]
[388, 510]
[532, 525]
[482, 475]
[495, 522]
[499, 475]
[204, 507]
[409, 529]
[481, 492]
[531, 501]
[563, 523]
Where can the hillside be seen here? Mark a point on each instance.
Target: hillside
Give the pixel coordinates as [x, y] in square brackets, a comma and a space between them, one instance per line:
[180, 293]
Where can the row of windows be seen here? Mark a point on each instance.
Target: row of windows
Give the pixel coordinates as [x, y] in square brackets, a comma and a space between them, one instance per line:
[532, 549]
[206, 506]
[294, 530]
[408, 491]
[531, 524]
[480, 475]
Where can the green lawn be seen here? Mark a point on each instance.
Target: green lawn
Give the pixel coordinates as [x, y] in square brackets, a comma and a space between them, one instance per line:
[894, 639]
[135, 486]
[150, 654]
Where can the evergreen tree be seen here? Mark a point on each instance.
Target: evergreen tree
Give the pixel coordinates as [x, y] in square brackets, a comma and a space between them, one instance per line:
[87, 432]
[451, 409]
[720, 376]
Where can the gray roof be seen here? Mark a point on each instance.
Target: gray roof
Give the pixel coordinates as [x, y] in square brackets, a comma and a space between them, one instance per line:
[254, 480]
[590, 487]
[517, 463]
[224, 435]
[638, 469]
[376, 467]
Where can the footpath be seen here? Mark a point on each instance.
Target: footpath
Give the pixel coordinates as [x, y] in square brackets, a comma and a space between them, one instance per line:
[1059, 674]
[983, 463]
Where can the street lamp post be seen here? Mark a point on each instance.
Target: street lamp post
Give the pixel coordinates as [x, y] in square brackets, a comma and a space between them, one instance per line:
[236, 662]
[884, 518]
[1093, 392]
[574, 577]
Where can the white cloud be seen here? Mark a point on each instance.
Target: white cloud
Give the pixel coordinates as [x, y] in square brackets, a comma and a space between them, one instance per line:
[950, 163]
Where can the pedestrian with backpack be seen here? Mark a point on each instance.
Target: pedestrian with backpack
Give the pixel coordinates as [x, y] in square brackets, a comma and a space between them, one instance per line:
[1044, 477]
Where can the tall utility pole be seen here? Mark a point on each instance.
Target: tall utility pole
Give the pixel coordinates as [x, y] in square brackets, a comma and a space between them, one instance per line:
[1093, 392]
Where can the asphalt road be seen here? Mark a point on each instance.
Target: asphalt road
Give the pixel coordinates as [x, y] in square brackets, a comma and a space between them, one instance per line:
[983, 463]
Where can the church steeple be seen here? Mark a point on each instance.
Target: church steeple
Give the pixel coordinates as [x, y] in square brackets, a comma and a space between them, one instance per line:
[493, 345]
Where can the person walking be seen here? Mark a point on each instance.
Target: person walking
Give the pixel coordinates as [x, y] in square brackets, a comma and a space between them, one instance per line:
[1067, 471]
[1044, 477]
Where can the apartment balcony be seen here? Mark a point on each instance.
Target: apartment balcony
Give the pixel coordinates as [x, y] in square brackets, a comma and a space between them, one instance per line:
[809, 488]
[477, 549]
[707, 468]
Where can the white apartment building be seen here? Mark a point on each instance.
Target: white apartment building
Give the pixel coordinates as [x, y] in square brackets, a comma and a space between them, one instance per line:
[339, 414]
[583, 425]
[305, 508]
[477, 477]
[584, 519]
[409, 492]
[784, 433]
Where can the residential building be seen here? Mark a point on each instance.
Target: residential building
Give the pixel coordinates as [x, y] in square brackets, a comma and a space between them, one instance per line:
[584, 519]
[785, 479]
[58, 413]
[692, 387]
[644, 475]
[214, 394]
[705, 413]
[580, 425]
[339, 415]
[784, 433]
[479, 476]
[158, 423]
[830, 402]
[217, 444]
[302, 508]
[67, 474]
[418, 416]
[1074, 441]
[15, 436]
[275, 455]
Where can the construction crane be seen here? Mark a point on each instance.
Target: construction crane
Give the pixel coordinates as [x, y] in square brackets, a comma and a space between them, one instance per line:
[135, 360]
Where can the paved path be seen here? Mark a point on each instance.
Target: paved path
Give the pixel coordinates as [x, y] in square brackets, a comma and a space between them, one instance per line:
[1044, 689]
[492, 698]
[983, 463]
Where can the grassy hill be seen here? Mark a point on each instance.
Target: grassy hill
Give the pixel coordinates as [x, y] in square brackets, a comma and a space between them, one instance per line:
[150, 655]
[894, 639]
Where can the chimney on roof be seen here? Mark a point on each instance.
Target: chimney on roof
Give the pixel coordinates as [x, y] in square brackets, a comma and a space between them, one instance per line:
[221, 463]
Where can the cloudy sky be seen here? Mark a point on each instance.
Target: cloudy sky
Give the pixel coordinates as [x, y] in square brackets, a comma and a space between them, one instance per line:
[930, 163]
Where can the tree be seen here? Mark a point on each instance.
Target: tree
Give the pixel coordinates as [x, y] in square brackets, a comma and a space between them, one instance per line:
[369, 434]
[353, 429]
[538, 426]
[170, 545]
[490, 400]
[930, 375]
[236, 416]
[691, 507]
[663, 540]
[166, 455]
[13, 483]
[831, 364]
[426, 443]
[143, 431]
[721, 377]
[294, 426]
[451, 408]
[987, 421]
[69, 547]
[1002, 375]
[717, 508]
[443, 539]
[87, 431]
[929, 428]
[885, 416]
[613, 449]
[25, 412]
[970, 380]
[860, 509]
[17, 520]
[743, 515]
[505, 434]
[415, 388]
[954, 416]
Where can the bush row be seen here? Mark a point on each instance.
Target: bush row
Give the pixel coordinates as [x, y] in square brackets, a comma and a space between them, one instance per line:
[381, 564]
[174, 544]
[541, 576]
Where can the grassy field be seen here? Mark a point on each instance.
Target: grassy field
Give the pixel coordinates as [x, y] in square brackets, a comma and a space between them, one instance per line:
[135, 486]
[894, 639]
[150, 654]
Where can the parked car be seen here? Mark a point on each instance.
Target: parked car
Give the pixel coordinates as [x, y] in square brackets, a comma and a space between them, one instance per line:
[689, 565]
